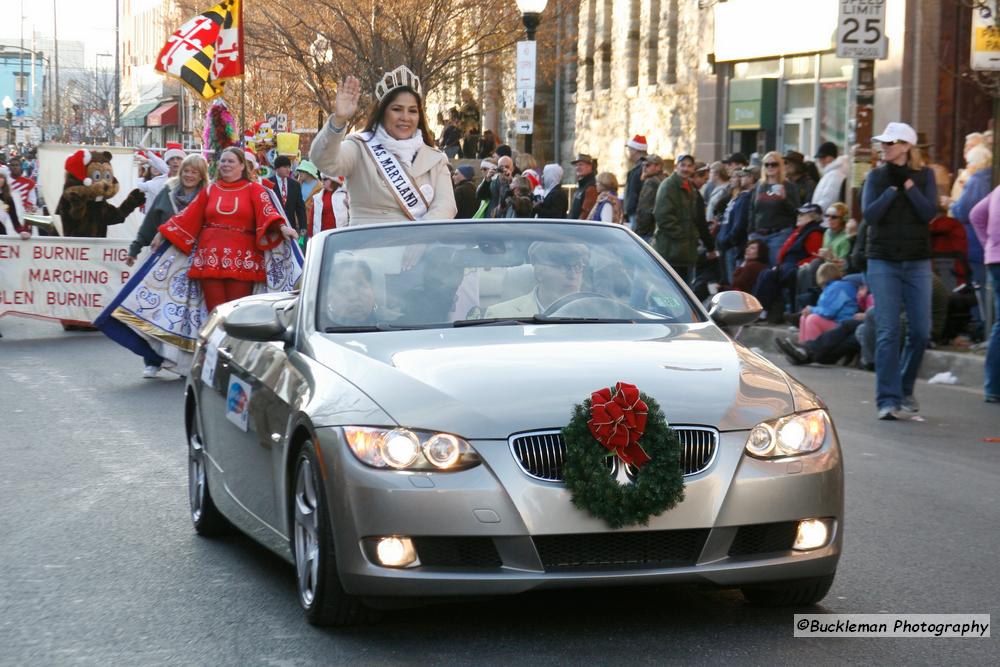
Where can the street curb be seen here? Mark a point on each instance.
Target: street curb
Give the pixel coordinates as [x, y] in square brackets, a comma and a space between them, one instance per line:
[966, 366]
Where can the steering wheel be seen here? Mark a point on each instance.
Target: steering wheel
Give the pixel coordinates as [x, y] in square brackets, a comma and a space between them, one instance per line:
[618, 309]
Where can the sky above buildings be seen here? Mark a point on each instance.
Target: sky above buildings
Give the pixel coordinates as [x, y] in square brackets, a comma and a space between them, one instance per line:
[89, 21]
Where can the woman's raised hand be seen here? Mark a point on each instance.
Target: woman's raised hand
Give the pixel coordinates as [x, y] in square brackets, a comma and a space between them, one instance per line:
[346, 103]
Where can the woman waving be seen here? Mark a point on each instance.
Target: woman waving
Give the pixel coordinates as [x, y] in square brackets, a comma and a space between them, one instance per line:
[392, 168]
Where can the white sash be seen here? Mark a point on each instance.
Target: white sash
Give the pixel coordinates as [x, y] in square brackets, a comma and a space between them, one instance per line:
[407, 194]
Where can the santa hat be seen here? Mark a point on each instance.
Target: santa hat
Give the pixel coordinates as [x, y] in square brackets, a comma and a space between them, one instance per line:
[532, 177]
[174, 150]
[76, 165]
[638, 142]
[251, 158]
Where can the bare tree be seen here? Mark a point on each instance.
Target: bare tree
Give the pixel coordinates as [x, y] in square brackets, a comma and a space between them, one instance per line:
[87, 103]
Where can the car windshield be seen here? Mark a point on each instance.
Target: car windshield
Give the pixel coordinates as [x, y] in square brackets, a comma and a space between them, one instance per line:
[377, 278]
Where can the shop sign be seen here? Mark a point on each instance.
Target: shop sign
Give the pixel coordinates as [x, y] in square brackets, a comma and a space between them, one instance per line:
[986, 37]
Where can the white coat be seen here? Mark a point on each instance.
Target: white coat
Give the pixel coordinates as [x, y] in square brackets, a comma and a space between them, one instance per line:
[371, 199]
[827, 191]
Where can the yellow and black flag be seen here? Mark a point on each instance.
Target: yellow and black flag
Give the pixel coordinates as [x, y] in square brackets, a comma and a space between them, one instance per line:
[206, 50]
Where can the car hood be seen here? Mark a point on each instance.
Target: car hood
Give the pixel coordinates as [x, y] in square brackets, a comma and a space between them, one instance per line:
[490, 381]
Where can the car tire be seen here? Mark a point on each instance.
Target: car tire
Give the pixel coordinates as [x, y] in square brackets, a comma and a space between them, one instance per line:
[206, 517]
[796, 593]
[320, 592]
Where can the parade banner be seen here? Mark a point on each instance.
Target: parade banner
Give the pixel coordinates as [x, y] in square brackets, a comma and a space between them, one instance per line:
[61, 278]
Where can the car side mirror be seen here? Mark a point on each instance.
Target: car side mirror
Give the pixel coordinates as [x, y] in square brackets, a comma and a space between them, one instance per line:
[734, 308]
[256, 322]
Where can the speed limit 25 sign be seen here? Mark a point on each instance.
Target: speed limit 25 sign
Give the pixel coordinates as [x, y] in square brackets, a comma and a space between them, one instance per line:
[861, 30]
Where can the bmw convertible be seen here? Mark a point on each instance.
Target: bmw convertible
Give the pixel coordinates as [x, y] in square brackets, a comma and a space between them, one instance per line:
[396, 428]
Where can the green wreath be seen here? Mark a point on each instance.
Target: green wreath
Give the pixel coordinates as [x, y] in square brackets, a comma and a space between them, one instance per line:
[659, 485]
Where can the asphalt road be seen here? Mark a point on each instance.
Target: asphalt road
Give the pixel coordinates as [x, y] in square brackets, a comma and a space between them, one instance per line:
[99, 564]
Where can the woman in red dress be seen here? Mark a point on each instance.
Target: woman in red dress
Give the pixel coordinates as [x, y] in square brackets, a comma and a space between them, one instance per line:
[229, 225]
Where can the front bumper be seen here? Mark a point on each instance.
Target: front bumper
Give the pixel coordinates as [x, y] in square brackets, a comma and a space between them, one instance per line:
[498, 505]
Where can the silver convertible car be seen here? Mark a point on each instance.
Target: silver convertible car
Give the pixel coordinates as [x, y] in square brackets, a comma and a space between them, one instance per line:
[394, 429]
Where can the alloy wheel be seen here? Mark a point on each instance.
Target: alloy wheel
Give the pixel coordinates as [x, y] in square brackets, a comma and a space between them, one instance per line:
[307, 547]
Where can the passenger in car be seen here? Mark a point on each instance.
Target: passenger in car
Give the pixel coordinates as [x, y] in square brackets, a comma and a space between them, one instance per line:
[352, 295]
[559, 270]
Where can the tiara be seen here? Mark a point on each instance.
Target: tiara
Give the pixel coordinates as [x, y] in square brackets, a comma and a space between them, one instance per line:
[397, 78]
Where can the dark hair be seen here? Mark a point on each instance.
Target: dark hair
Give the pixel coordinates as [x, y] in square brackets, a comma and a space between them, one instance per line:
[762, 252]
[378, 113]
[503, 150]
[282, 161]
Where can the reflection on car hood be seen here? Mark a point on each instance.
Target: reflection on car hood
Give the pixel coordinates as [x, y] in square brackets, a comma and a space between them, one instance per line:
[489, 382]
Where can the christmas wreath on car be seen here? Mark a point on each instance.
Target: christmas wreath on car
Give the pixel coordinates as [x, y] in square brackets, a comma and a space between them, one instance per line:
[625, 423]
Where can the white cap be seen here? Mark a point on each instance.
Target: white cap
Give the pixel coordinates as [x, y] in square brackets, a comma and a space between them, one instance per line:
[898, 132]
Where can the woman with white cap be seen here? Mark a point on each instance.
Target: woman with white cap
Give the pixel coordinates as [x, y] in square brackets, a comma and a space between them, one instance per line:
[898, 202]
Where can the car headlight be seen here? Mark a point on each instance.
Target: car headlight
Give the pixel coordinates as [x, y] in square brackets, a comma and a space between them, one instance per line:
[406, 449]
[789, 436]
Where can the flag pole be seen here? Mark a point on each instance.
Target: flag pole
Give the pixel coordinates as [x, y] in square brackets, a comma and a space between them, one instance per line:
[243, 79]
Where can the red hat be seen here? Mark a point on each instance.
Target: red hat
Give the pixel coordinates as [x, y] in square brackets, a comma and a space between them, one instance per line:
[76, 165]
[532, 177]
[638, 142]
[174, 150]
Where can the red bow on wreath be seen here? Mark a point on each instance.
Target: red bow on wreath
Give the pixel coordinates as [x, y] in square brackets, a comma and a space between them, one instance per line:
[617, 421]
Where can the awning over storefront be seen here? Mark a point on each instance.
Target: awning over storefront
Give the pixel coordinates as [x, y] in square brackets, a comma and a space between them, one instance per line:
[136, 116]
[165, 114]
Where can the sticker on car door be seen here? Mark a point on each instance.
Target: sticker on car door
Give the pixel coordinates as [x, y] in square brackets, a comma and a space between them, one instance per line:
[238, 403]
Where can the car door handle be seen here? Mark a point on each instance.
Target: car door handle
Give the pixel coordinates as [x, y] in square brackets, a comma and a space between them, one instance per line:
[226, 353]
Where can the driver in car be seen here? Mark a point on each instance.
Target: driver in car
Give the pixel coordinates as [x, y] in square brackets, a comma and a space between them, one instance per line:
[559, 269]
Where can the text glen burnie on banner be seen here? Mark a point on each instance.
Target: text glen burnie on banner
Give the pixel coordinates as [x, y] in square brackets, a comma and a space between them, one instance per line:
[61, 278]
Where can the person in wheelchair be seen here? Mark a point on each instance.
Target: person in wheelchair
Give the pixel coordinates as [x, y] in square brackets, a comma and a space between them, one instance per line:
[559, 270]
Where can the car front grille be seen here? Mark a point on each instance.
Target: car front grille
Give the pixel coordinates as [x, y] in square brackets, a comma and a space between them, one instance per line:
[764, 538]
[610, 551]
[541, 453]
[457, 552]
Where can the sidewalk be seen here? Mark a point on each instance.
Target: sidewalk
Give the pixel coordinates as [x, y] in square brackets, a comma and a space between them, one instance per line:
[966, 366]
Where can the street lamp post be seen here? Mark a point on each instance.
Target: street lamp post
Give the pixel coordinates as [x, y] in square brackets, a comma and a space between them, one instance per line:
[531, 14]
[8, 104]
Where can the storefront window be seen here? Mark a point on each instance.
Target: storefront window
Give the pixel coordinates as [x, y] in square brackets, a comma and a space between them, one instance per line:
[800, 96]
[757, 69]
[832, 67]
[833, 113]
[800, 67]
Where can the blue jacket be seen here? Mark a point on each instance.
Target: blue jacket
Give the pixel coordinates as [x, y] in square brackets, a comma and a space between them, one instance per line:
[838, 302]
[976, 189]
[733, 234]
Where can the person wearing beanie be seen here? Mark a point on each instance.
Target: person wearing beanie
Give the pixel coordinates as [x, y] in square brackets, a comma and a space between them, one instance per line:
[289, 193]
[465, 192]
[834, 168]
[637, 149]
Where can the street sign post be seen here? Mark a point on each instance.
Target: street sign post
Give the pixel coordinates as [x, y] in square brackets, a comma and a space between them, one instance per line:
[861, 30]
[524, 116]
[985, 41]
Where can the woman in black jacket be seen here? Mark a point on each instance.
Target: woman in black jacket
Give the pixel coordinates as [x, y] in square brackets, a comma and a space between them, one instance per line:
[555, 203]
[898, 202]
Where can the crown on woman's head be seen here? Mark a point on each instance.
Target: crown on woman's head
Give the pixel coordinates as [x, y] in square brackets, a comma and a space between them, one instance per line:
[397, 78]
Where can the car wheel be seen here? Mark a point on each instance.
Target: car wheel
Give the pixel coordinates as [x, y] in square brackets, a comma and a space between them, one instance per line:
[320, 593]
[207, 519]
[797, 593]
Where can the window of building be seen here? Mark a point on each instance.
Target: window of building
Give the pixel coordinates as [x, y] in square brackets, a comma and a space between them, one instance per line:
[653, 43]
[632, 43]
[588, 54]
[673, 27]
[607, 12]
[757, 69]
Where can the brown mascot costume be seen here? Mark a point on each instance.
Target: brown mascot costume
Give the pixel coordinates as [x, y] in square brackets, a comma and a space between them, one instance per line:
[90, 183]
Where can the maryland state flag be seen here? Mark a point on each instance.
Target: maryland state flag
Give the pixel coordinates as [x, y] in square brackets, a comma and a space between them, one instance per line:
[206, 50]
